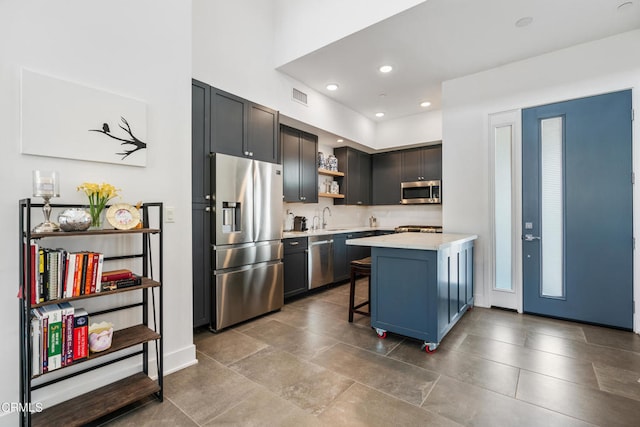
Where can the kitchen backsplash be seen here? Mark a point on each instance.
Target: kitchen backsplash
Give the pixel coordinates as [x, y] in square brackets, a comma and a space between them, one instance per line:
[358, 216]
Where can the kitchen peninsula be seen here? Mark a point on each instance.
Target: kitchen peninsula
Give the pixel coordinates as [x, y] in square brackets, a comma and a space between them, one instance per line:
[421, 283]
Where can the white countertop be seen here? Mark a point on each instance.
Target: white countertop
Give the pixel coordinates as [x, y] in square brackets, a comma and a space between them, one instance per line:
[331, 230]
[420, 241]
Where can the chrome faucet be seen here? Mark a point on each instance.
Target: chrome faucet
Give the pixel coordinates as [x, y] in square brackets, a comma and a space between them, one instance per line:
[324, 221]
[313, 222]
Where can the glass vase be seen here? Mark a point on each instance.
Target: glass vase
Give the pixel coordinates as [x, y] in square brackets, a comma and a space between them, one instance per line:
[97, 218]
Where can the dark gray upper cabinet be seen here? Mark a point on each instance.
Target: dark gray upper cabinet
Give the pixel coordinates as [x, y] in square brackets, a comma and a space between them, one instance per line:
[262, 141]
[229, 116]
[299, 165]
[422, 164]
[386, 178]
[356, 183]
[242, 128]
[200, 134]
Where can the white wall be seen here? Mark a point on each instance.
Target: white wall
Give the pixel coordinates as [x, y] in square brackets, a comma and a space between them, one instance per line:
[233, 50]
[415, 129]
[593, 68]
[137, 49]
[307, 25]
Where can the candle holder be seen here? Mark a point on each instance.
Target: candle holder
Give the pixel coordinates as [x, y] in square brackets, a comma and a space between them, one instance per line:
[46, 185]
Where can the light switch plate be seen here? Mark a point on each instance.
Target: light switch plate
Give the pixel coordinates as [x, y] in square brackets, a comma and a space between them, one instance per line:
[169, 214]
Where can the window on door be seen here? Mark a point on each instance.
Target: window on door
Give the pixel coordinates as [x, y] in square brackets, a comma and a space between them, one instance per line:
[503, 149]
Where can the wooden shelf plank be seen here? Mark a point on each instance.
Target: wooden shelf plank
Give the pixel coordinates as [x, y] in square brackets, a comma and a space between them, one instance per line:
[123, 338]
[98, 403]
[331, 195]
[94, 232]
[329, 173]
[146, 283]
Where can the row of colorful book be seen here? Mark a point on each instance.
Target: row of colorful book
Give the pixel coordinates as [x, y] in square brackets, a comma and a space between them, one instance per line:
[62, 274]
[59, 336]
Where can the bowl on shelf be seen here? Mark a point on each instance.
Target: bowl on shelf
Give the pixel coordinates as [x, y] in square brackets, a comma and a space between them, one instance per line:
[74, 219]
[100, 336]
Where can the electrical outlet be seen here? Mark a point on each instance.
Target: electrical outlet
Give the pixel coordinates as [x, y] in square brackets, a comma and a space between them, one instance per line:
[169, 214]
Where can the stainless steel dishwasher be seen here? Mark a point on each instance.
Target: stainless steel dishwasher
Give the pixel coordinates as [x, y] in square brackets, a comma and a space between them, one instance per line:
[320, 260]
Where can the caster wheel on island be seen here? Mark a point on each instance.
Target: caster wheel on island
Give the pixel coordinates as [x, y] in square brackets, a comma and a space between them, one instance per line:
[429, 347]
[381, 333]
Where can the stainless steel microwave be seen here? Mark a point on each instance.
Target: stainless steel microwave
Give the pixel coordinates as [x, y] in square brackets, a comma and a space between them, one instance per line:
[420, 192]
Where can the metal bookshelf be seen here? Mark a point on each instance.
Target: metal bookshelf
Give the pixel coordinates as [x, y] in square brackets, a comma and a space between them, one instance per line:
[89, 407]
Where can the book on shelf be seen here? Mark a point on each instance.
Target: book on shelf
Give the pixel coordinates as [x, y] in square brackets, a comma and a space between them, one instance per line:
[67, 332]
[37, 333]
[70, 275]
[41, 274]
[54, 336]
[109, 276]
[80, 334]
[88, 275]
[111, 285]
[33, 279]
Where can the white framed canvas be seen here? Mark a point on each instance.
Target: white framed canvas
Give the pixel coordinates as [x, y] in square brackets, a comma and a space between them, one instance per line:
[68, 120]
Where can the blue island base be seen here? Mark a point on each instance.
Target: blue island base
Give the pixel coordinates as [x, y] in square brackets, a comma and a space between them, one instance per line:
[421, 293]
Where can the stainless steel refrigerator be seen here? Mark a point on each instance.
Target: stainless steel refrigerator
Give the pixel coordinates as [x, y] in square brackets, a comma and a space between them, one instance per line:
[247, 235]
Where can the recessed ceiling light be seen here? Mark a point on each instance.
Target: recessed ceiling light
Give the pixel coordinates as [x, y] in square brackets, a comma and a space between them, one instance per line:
[622, 7]
[385, 68]
[379, 114]
[332, 86]
[524, 21]
[425, 104]
[340, 140]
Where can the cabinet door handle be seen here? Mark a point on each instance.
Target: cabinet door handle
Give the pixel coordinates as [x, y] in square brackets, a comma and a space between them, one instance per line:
[246, 153]
[251, 153]
[207, 209]
[207, 197]
[294, 243]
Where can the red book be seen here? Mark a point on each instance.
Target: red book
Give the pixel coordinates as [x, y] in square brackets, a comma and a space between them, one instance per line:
[78, 275]
[109, 276]
[33, 279]
[80, 334]
[94, 272]
[89, 273]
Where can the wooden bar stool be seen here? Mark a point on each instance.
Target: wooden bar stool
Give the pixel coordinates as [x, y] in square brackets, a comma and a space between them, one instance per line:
[359, 267]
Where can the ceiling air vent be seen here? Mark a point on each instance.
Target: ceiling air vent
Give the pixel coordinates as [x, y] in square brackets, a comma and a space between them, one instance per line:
[299, 96]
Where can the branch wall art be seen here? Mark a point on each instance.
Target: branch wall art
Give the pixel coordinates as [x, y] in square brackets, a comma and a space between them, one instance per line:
[68, 120]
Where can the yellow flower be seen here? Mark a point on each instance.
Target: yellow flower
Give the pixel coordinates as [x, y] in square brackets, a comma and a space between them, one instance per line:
[99, 195]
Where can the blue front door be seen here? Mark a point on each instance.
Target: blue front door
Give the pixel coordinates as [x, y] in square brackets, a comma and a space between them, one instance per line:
[577, 210]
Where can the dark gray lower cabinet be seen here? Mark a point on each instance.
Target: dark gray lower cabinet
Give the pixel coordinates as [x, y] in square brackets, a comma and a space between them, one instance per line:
[295, 266]
[340, 263]
[201, 263]
[343, 254]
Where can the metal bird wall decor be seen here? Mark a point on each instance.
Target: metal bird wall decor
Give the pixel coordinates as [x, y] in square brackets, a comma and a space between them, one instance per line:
[135, 142]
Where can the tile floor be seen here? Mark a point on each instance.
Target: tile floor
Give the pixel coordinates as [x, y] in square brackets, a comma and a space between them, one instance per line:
[307, 366]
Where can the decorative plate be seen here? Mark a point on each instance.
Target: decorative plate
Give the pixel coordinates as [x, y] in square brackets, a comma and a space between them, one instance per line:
[123, 216]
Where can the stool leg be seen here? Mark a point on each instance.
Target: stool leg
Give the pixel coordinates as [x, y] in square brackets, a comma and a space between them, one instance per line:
[352, 291]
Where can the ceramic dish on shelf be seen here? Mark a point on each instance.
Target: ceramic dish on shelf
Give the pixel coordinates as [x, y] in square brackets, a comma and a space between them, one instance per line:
[123, 216]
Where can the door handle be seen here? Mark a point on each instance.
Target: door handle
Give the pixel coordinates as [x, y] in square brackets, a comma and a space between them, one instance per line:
[531, 237]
